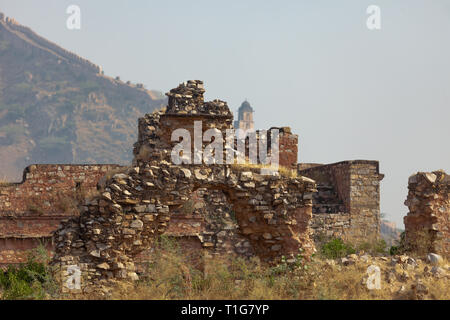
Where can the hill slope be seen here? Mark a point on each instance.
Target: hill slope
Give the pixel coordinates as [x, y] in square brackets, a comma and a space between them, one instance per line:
[390, 233]
[56, 107]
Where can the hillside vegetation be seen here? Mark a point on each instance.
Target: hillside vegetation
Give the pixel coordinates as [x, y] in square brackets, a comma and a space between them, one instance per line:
[56, 107]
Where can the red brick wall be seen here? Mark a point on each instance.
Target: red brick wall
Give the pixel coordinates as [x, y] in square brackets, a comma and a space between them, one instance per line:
[15, 250]
[41, 184]
[31, 210]
[29, 226]
[288, 148]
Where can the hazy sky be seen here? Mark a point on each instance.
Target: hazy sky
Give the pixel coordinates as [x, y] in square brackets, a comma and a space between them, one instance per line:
[348, 92]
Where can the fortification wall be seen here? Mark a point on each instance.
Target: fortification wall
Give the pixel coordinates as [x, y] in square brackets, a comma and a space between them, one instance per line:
[30, 211]
[45, 45]
[24, 37]
[42, 183]
[347, 204]
[428, 220]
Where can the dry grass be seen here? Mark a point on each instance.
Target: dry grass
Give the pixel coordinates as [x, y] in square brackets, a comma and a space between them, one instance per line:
[178, 273]
[4, 182]
[173, 276]
[64, 203]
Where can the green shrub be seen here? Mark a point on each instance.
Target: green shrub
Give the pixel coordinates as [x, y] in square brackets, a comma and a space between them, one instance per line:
[30, 280]
[394, 250]
[401, 248]
[336, 248]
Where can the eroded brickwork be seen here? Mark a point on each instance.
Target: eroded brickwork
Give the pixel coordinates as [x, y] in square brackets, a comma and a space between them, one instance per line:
[428, 220]
[30, 211]
[288, 152]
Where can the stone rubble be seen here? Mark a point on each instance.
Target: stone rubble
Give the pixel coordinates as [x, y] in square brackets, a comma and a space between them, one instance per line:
[187, 99]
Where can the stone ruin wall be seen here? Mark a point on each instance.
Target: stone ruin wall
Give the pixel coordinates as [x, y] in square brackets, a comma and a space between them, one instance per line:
[270, 214]
[428, 220]
[210, 223]
[33, 209]
[30, 211]
[347, 204]
[204, 218]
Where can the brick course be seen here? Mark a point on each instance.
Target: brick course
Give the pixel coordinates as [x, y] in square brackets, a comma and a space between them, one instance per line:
[30, 211]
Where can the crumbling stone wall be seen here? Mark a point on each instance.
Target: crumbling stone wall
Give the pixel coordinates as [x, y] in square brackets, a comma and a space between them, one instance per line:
[33, 209]
[347, 204]
[428, 220]
[209, 218]
[30, 211]
[271, 213]
[213, 209]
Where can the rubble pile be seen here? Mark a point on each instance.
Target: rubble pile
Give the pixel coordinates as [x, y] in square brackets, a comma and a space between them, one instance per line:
[187, 98]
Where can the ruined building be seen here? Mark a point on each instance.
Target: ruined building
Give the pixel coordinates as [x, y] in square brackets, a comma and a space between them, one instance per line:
[263, 215]
[347, 203]
[215, 209]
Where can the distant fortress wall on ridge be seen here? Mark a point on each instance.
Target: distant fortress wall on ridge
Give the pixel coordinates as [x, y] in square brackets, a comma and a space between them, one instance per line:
[44, 44]
[25, 37]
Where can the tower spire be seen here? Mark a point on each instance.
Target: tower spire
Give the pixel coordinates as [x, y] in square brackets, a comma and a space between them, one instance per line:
[245, 117]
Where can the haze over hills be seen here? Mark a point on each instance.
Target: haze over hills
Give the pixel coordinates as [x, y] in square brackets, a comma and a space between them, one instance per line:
[56, 107]
[389, 232]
